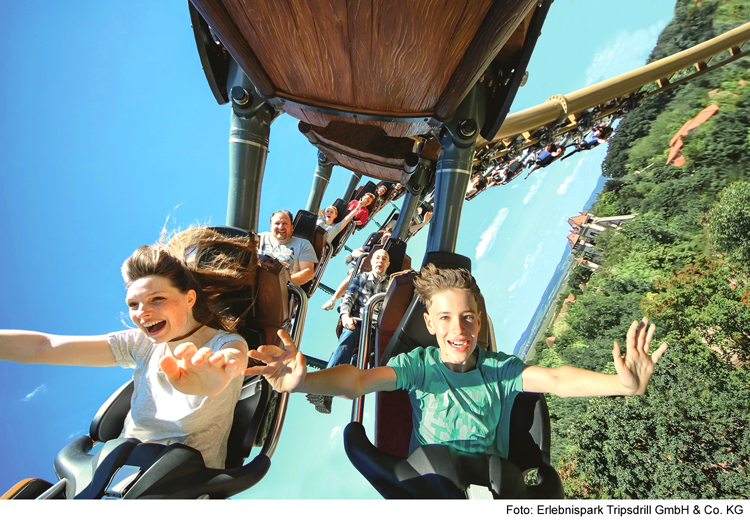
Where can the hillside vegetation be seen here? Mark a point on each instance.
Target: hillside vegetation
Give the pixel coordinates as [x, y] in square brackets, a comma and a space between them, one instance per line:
[683, 262]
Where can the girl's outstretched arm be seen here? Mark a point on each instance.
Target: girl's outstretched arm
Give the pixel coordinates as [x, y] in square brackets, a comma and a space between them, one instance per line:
[22, 346]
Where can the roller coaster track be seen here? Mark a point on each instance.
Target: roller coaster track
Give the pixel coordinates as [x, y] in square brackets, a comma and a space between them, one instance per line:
[537, 126]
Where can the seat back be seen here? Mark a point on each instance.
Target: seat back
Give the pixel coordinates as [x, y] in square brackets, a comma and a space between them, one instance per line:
[270, 312]
[305, 227]
[401, 328]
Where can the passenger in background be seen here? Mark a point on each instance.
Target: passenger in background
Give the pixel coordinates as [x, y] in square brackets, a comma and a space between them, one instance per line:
[297, 254]
[364, 213]
[378, 238]
[362, 287]
[327, 220]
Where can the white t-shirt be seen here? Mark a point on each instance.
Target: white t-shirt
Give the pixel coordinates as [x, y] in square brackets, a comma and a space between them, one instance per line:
[161, 414]
[289, 253]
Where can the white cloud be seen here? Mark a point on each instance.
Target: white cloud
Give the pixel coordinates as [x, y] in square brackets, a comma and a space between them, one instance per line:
[528, 263]
[573, 175]
[40, 389]
[335, 431]
[532, 191]
[487, 239]
[536, 183]
[624, 52]
[564, 185]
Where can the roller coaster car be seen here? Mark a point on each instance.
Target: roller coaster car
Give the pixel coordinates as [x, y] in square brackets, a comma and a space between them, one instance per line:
[129, 469]
[435, 471]
[366, 79]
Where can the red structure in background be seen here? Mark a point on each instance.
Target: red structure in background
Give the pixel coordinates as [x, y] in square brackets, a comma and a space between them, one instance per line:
[676, 142]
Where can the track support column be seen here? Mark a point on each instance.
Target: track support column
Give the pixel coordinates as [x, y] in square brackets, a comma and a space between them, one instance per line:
[320, 183]
[353, 182]
[250, 128]
[454, 167]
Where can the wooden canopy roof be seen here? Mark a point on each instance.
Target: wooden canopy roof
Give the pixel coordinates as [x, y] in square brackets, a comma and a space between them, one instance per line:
[365, 77]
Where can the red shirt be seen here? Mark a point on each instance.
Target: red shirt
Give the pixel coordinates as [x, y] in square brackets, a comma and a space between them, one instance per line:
[363, 213]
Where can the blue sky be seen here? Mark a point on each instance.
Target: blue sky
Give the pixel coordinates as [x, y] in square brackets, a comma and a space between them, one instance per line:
[109, 130]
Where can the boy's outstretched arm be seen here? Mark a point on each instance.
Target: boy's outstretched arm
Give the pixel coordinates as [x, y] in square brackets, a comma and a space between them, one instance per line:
[633, 371]
[286, 371]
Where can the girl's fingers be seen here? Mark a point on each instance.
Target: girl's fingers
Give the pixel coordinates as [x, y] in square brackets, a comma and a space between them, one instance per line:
[200, 357]
[185, 351]
[260, 355]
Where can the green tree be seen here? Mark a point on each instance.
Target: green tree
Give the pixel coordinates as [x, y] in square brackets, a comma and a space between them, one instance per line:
[729, 222]
[686, 438]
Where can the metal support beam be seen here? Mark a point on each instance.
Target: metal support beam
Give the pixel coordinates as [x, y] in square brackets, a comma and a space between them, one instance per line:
[320, 182]
[451, 180]
[412, 200]
[250, 128]
[353, 182]
[454, 167]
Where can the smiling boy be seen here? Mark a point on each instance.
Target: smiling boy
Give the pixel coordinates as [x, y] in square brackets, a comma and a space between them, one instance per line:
[461, 395]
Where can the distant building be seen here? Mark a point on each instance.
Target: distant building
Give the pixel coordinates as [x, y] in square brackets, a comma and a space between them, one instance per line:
[582, 238]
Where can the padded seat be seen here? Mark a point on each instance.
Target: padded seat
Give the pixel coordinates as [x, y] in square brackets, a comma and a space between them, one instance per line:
[400, 328]
[305, 227]
[177, 471]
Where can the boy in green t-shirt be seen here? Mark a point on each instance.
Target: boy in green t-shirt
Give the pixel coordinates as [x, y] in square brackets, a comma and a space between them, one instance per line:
[461, 395]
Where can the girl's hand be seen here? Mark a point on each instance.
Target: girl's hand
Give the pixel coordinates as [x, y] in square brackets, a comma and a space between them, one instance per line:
[202, 372]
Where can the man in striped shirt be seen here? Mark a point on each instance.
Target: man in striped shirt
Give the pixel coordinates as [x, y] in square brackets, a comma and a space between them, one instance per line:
[360, 289]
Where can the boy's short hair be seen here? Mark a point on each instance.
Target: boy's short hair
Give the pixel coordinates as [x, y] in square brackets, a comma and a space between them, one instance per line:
[432, 280]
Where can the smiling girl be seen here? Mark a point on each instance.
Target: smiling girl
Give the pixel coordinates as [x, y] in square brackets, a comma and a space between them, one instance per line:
[182, 297]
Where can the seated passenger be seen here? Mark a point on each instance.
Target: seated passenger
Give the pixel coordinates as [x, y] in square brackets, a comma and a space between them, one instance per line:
[297, 254]
[361, 288]
[546, 156]
[597, 135]
[187, 359]
[382, 196]
[364, 214]
[327, 217]
[425, 211]
[476, 185]
[379, 238]
[501, 176]
[397, 192]
[461, 395]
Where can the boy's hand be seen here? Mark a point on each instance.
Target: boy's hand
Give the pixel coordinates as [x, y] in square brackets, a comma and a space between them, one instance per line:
[285, 370]
[636, 368]
[348, 322]
[200, 372]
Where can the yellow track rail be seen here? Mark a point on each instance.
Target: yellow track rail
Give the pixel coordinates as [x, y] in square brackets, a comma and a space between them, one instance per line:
[561, 114]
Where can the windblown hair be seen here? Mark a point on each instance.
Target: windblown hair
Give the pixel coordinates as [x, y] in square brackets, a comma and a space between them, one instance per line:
[221, 269]
[432, 280]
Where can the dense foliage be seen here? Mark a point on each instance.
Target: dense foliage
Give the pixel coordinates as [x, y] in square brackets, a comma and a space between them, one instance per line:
[689, 435]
